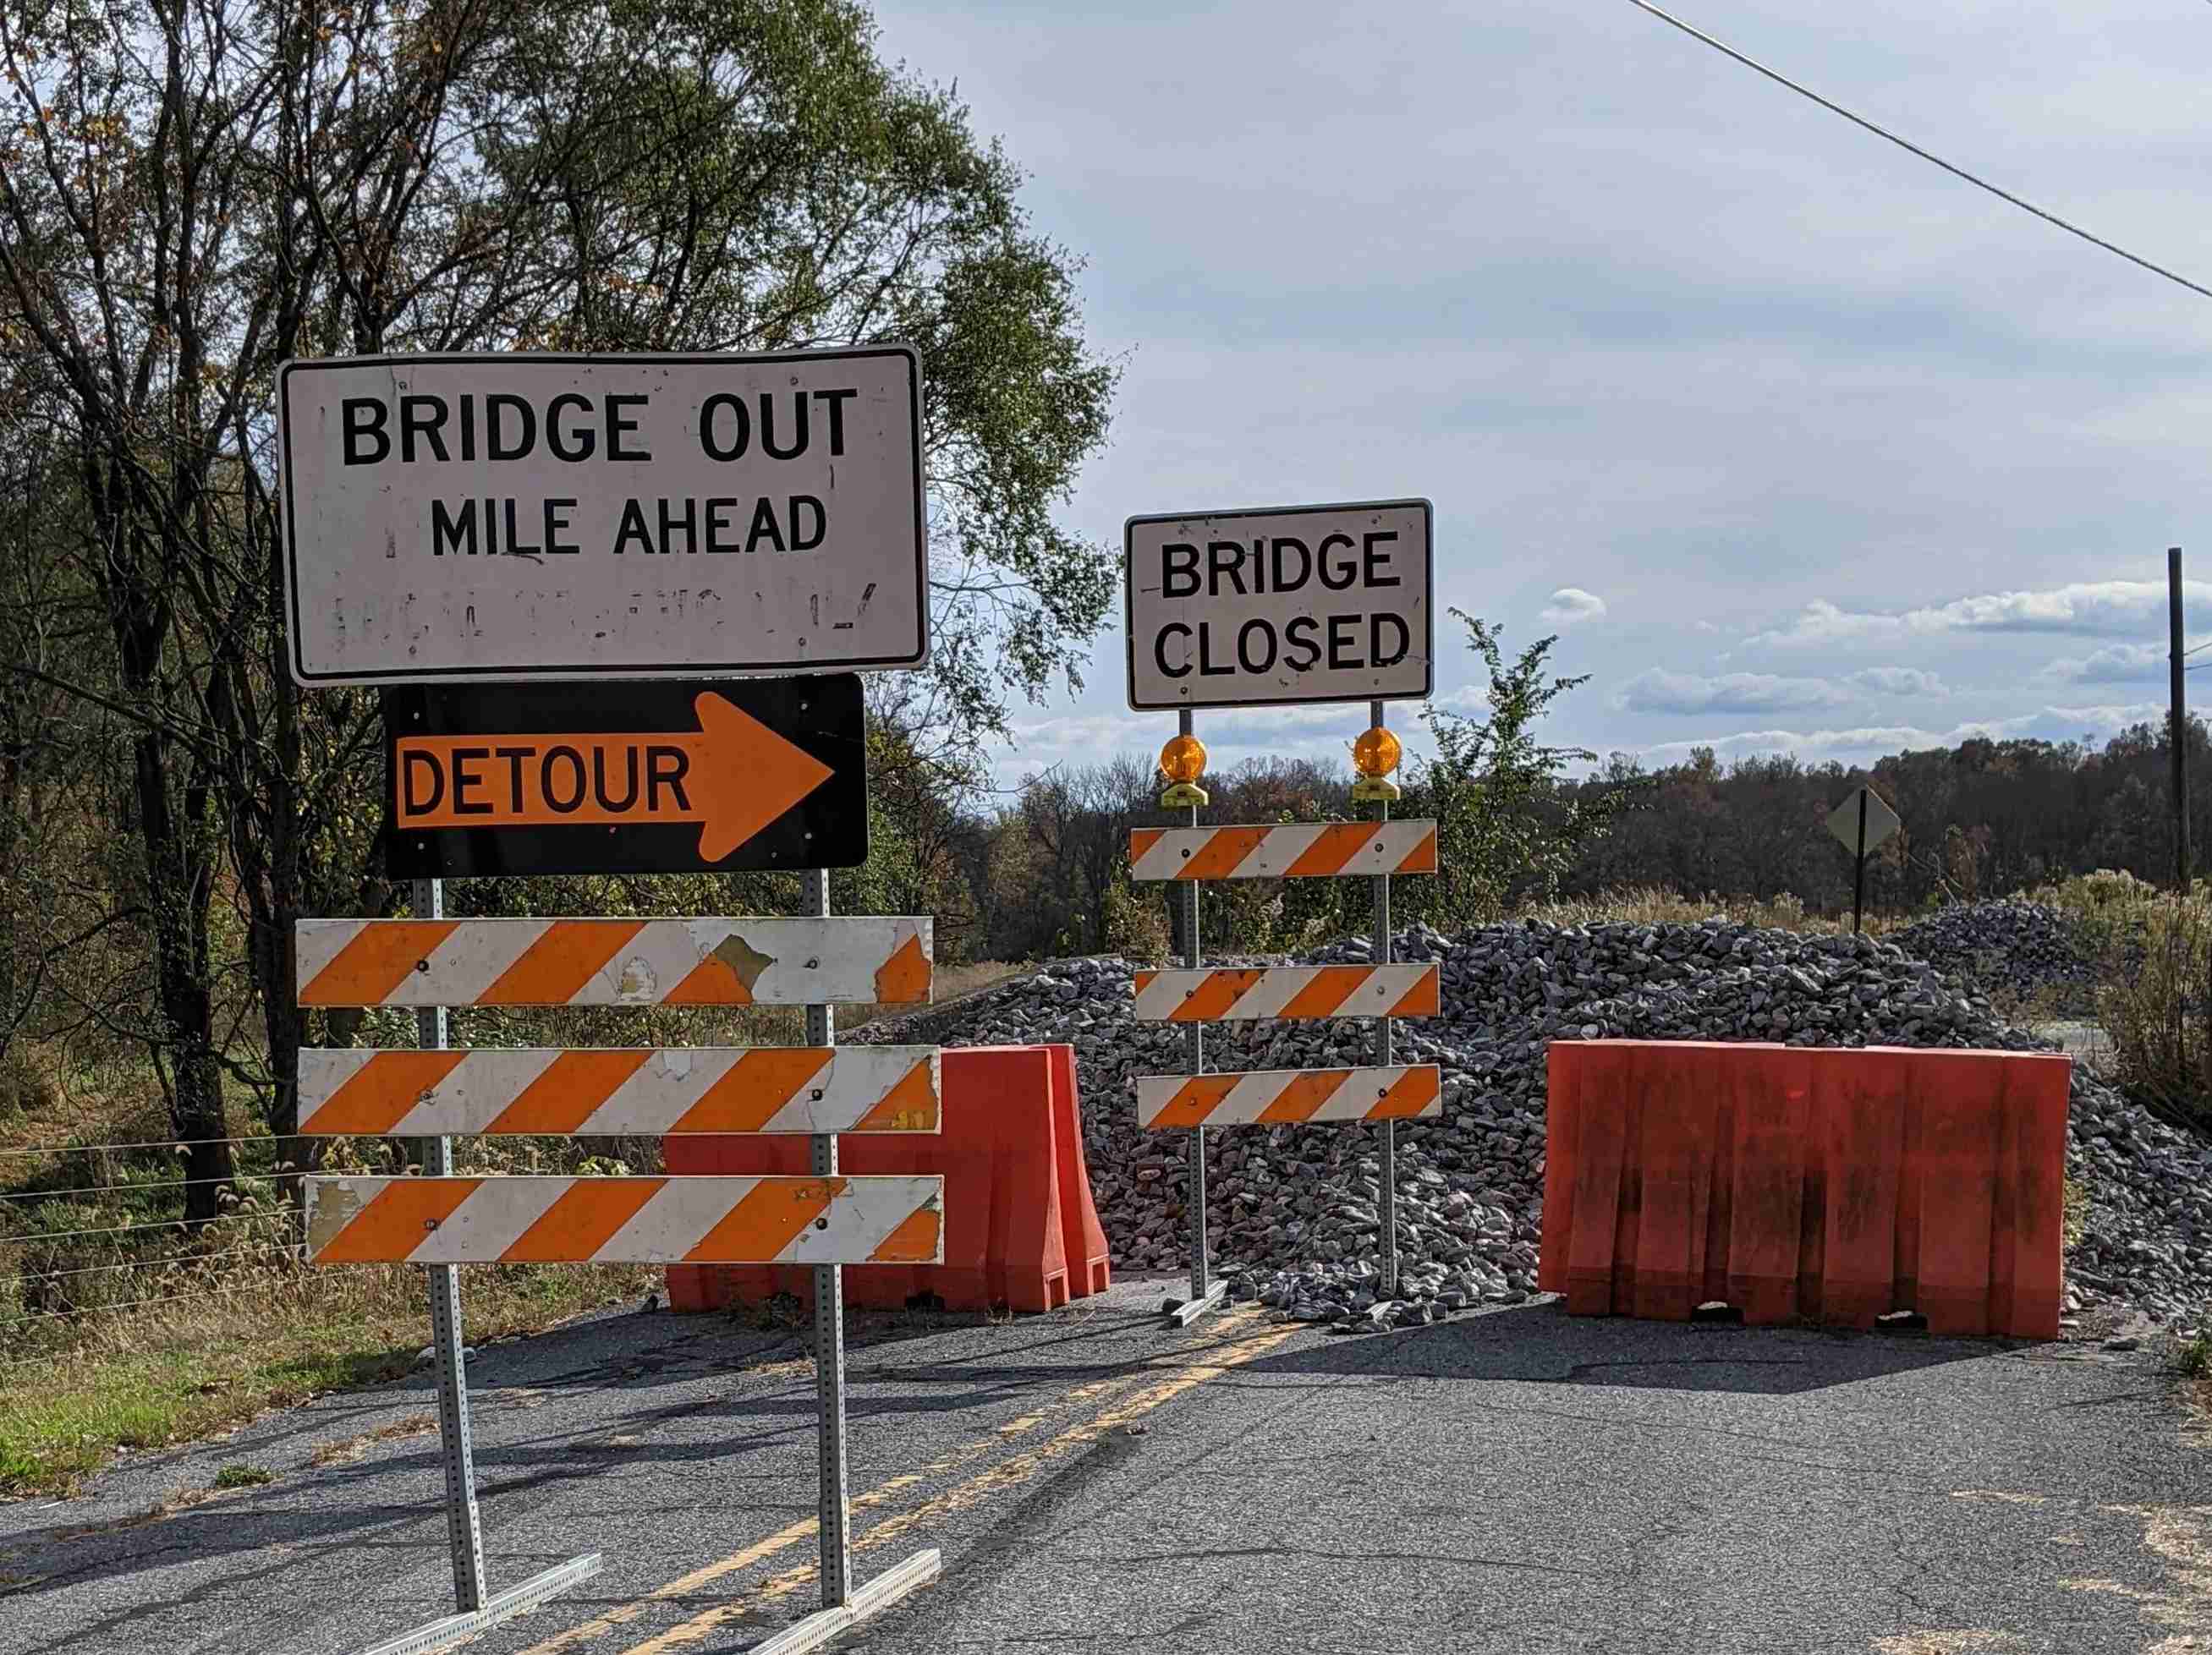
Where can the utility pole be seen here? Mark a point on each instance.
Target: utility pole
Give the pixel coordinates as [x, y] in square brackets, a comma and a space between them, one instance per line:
[2177, 732]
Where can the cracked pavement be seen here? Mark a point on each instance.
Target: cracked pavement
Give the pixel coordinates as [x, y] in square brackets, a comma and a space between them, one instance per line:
[1516, 1481]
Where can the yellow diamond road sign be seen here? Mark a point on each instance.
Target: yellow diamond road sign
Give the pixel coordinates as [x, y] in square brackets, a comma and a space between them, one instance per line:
[1878, 822]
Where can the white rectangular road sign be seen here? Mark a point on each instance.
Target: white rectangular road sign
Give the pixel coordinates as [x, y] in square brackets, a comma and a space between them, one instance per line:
[523, 516]
[1283, 604]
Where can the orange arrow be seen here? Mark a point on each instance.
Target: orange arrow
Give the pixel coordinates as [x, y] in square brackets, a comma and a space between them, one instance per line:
[734, 776]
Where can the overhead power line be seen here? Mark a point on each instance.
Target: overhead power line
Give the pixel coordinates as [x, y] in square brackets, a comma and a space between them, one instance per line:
[1780, 79]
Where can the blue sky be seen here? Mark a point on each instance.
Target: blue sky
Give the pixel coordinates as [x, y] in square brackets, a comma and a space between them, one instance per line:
[1799, 442]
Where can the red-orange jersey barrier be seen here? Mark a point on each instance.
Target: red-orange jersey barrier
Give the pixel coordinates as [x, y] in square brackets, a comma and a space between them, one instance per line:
[1020, 1228]
[1833, 1185]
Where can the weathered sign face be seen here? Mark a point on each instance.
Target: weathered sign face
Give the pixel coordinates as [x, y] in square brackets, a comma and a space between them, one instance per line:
[1880, 821]
[528, 517]
[1284, 604]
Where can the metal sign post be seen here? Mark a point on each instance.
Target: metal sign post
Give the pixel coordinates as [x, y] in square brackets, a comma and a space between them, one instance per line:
[1858, 869]
[1201, 1293]
[1387, 1208]
[829, 1327]
[463, 1528]
[463, 1525]
[1205, 1292]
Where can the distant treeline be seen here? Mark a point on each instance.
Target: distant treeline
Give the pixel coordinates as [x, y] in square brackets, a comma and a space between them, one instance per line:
[1049, 874]
[1981, 819]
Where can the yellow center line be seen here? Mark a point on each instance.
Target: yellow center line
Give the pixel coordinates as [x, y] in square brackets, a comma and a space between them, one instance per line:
[980, 1488]
[806, 1527]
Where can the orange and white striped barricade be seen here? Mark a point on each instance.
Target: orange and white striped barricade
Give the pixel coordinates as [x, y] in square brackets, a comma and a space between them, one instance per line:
[1302, 850]
[435, 1094]
[1196, 995]
[1224, 994]
[645, 1091]
[1290, 1097]
[519, 1219]
[613, 963]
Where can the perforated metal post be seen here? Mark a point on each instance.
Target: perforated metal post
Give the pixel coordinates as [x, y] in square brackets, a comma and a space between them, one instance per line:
[463, 1528]
[1387, 1208]
[1195, 1067]
[829, 1330]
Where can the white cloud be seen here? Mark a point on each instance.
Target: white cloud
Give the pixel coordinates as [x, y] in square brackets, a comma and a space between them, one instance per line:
[1570, 604]
[1899, 681]
[2054, 724]
[2089, 608]
[1657, 690]
[2116, 663]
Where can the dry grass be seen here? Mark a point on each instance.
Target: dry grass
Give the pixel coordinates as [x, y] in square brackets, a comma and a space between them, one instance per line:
[348, 1450]
[250, 1341]
[1656, 906]
[228, 1337]
[231, 1338]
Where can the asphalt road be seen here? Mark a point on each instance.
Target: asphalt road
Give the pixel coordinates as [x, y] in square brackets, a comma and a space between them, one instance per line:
[1517, 1481]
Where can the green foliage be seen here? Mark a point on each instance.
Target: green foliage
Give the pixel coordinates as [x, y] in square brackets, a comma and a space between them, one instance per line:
[1505, 829]
[1135, 929]
[564, 174]
[2195, 1356]
[237, 1475]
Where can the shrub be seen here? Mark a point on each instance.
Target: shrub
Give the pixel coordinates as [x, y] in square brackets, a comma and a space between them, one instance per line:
[1135, 929]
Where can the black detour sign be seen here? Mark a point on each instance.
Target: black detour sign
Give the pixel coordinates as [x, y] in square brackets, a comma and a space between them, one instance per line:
[1280, 604]
[632, 777]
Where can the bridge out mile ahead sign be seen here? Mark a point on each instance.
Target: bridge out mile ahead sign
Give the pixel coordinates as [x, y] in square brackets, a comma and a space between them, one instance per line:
[540, 517]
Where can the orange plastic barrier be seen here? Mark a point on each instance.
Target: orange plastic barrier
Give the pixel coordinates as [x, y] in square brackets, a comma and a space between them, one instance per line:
[1831, 1185]
[1021, 1228]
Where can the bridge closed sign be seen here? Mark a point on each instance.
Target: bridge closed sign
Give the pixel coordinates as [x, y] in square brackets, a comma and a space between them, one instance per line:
[1280, 605]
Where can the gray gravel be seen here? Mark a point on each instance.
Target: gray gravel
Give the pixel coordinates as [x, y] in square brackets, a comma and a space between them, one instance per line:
[1292, 1210]
[2025, 950]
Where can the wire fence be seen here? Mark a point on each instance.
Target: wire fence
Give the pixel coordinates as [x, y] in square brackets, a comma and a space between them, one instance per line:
[108, 1266]
[148, 1183]
[144, 1143]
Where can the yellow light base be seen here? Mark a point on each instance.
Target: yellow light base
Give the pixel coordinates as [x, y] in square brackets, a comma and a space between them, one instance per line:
[1369, 789]
[1185, 793]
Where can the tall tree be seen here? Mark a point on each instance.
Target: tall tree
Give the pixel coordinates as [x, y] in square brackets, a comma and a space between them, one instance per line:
[193, 191]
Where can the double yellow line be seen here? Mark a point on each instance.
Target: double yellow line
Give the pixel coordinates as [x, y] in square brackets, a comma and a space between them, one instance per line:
[993, 1479]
